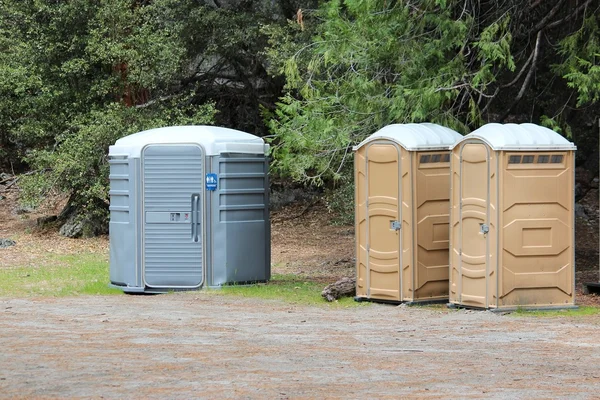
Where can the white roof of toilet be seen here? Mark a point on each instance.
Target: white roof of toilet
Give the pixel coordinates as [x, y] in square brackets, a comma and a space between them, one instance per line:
[519, 137]
[214, 140]
[414, 137]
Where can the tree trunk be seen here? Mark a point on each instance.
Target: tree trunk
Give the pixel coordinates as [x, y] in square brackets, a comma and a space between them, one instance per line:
[344, 287]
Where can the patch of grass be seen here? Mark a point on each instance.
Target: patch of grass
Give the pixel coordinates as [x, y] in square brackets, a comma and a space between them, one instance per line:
[88, 274]
[578, 312]
[288, 288]
[66, 275]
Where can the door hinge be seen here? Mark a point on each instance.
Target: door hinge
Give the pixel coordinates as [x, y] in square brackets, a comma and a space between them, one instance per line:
[395, 225]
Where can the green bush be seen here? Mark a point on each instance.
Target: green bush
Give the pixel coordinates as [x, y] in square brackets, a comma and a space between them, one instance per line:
[78, 165]
[340, 202]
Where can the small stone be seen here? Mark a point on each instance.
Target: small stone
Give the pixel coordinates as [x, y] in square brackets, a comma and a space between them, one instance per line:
[23, 210]
[580, 211]
[41, 221]
[578, 191]
[6, 243]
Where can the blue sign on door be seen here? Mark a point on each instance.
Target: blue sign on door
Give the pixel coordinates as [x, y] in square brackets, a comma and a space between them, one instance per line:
[211, 181]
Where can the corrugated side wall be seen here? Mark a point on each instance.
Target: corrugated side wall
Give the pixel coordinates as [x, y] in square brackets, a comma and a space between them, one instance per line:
[360, 220]
[537, 229]
[124, 266]
[241, 229]
[407, 190]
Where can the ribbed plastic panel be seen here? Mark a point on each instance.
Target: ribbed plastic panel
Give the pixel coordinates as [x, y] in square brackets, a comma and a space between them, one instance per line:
[172, 175]
[119, 189]
[242, 193]
[240, 229]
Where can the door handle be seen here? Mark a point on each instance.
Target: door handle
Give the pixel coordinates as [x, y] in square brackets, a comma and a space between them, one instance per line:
[195, 206]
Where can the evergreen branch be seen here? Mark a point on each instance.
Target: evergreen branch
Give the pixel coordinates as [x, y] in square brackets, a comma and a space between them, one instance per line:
[481, 94]
[535, 4]
[527, 78]
[462, 85]
[343, 159]
[307, 47]
[520, 72]
[491, 100]
[568, 17]
[548, 16]
[160, 99]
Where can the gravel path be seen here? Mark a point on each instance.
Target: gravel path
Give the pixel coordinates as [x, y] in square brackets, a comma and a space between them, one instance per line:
[199, 345]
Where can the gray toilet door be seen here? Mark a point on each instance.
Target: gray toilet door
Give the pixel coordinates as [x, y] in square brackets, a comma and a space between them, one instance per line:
[172, 179]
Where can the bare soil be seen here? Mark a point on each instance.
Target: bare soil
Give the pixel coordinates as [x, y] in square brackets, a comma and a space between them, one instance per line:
[201, 345]
[207, 345]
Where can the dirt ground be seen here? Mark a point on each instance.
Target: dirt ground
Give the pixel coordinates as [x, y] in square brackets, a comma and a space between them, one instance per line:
[200, 345]
[206, 345]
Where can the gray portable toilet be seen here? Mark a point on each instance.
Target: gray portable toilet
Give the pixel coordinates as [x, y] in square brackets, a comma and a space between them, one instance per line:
[189, 207]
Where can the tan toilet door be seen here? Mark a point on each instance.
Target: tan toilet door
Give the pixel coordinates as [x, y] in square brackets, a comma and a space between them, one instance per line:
[383, 221]
[474, 224]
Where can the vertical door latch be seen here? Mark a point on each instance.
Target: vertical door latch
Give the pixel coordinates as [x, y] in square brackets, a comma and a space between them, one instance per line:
[395, 225]
[484, 228]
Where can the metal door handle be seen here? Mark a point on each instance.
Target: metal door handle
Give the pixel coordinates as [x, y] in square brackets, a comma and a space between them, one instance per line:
[195, 204]
[197, 211]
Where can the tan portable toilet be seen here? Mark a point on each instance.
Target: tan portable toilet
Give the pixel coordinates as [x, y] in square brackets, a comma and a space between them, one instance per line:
[512, 213]
[402, 191]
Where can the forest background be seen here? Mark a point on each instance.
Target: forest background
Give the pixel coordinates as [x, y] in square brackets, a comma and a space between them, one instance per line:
[312, 77]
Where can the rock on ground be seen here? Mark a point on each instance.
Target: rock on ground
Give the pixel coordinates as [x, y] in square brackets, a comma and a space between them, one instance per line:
[6, 243]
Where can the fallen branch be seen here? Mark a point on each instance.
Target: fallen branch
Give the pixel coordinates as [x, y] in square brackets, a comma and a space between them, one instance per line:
[345, 287]
[7, 179]
[10, 184]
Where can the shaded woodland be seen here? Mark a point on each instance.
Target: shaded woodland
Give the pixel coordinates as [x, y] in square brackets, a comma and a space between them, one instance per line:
[312, 77]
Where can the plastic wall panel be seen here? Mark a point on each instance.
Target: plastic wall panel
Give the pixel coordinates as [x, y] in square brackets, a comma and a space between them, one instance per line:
[124, 268]
[407, 231]
[454, 242]
[537, 232]
[360, 220]
[492, 235]
[240, 223]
